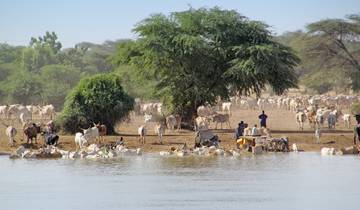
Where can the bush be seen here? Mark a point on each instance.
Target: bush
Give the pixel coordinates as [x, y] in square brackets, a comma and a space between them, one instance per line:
[99, 98]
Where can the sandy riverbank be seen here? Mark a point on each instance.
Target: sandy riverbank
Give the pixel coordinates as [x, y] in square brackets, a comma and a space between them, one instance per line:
[281, 123]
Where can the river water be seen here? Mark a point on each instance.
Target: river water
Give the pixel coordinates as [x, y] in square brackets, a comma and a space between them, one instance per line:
[271, 181]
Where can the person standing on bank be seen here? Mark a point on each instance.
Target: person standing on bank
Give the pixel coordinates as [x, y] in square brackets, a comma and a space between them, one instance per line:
[240, 130]
[357, 129]
[317, 135]
[263, 118]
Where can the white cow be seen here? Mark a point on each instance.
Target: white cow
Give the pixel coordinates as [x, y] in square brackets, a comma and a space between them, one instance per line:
[226, 107]
[147, 118]
[347, 122]
[142, 133]
[80, 140]
[4, 111]
[13, 110]
[300, 119]
[91, 133]
[202, 123]
[204, 111]
[328, 151]
[11, 133]
[24, 118]
[151, 108]
[34, 110]
[47, 112]
[160, 130]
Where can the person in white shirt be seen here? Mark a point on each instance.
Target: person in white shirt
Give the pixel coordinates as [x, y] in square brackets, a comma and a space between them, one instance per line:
[255, 131]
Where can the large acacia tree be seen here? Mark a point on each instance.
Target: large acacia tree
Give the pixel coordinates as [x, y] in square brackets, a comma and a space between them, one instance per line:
[200, 54]
[336, 42]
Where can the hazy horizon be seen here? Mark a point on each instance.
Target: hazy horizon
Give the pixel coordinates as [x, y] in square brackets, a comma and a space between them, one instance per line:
[98, 21]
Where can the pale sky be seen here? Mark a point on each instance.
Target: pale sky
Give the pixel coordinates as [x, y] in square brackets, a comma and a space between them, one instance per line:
[98, 20]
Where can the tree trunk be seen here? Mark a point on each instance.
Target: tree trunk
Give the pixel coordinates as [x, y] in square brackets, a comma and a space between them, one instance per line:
[188, 117]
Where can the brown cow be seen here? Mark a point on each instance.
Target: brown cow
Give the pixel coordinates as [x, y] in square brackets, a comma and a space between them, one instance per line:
[31, 131]
[102, 131]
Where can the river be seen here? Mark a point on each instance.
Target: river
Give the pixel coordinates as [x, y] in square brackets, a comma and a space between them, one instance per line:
[270, 181]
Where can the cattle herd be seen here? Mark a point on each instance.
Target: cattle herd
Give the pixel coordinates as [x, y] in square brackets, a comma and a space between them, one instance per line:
[317, 110]
[27, 113]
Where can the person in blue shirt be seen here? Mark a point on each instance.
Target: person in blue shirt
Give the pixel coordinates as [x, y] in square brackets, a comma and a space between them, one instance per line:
[263, 118]
[239, 131]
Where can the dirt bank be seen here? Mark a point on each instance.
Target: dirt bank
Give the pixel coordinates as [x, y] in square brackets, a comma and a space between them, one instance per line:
[281, 123]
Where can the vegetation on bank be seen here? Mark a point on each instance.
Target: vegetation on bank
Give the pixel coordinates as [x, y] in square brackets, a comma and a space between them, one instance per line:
[96, 99]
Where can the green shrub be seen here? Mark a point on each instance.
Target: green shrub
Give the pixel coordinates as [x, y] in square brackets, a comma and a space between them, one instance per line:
[99, 98]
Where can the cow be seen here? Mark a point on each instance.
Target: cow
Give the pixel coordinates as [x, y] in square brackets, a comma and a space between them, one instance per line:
[160, 130]
[321, 115]
[80, 140]
[142, 133]
[147, 118]
[204, 111]
[202, 123]
[226, 107]
[13, 110]
[300, 119]
[102, 130]
[311, 117]
[25, 117]
[34, 110]
[171, 122]
[331, 119]
[148, 108]
[11, 133]
[17, 110]
[47, 112]
[31, 130]
[347, 118]
[221, 118]
[4, 111]
[92, 133]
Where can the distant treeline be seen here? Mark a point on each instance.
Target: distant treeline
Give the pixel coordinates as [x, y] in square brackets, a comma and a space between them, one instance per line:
[43, 72]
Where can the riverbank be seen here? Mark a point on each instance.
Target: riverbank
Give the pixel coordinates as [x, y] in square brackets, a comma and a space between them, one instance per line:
[304, 141]
[280, 122]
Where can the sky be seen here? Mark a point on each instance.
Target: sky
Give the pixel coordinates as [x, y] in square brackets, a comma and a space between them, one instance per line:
[95, 21]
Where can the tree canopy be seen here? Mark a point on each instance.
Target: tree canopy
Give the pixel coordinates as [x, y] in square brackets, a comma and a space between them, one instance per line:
[199, 54]
[329, 51]
[336, 42]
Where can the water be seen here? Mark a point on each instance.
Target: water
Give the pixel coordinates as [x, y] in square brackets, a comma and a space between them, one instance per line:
[271, 181]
